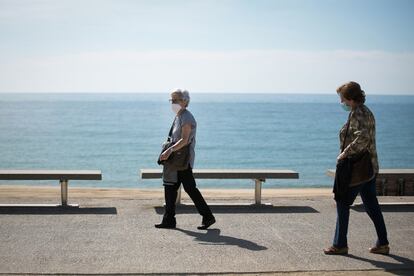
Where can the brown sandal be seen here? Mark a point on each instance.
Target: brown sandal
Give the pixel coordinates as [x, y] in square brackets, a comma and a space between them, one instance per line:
[336, 251]
[381, 249]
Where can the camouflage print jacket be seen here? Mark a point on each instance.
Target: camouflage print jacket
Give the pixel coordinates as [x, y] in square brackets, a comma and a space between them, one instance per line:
[361, 135]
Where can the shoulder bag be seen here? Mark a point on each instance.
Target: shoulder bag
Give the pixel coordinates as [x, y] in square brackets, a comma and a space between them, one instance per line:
[343, 173]
[177, 159]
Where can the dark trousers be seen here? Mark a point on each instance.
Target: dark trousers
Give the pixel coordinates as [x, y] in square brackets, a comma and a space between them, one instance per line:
[368, 194]
[170, 192]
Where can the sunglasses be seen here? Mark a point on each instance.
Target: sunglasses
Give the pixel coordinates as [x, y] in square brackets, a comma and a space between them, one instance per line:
[174, 100]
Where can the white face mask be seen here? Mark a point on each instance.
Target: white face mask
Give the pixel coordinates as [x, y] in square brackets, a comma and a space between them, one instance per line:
[175, 108]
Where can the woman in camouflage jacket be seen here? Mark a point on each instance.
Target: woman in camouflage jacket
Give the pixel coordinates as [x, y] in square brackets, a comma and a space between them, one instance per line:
[360, 138]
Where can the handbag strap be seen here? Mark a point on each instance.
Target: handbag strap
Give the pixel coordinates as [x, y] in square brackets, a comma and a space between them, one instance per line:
[171, 129]
[346, 131]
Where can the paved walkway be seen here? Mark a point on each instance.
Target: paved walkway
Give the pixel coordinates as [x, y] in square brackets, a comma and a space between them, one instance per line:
[116, 235]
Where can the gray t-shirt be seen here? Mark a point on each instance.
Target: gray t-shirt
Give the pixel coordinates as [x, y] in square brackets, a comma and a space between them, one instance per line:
[185, 117]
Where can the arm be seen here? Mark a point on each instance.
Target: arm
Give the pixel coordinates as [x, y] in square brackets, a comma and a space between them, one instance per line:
[185, 136]
[361, 125]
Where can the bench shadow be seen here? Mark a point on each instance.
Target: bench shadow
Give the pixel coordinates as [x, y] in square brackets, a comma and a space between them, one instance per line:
[213, 237]
[389, 208]
[27, 210]
[242, 209]
[404, 266]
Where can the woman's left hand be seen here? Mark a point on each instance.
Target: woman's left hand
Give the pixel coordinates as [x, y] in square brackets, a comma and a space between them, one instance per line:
[166, 154]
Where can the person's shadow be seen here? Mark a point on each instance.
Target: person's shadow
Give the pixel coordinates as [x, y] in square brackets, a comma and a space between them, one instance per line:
[213, 237]
[404, 267]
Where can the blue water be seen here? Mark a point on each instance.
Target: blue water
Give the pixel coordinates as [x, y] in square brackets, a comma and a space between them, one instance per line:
[121, 133]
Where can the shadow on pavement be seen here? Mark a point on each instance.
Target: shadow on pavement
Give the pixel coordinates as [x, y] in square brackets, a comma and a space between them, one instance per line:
[404, 267]
[213, 237]
[17, 210]
[190, 209]
[388, 208]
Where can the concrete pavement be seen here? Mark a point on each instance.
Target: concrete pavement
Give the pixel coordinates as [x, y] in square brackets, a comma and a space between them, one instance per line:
[117, 236]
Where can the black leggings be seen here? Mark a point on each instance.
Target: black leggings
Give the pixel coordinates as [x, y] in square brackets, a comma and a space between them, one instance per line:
[170, 192]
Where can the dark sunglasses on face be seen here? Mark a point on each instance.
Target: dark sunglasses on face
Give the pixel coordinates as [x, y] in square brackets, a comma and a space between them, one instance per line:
[174, 100]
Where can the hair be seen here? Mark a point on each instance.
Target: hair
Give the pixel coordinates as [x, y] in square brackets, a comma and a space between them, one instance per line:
[183, 95]
[352, 91]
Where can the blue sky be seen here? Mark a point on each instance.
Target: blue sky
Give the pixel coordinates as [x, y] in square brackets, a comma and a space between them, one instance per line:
[206, 46]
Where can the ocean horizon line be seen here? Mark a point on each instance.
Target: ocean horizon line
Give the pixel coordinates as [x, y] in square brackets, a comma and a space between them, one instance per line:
[196, 97]
[322, 93]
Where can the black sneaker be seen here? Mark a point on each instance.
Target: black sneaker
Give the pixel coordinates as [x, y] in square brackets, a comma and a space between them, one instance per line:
[167, 224]
[206, 223]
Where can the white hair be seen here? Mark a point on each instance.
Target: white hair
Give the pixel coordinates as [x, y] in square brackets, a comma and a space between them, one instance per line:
[184, 95]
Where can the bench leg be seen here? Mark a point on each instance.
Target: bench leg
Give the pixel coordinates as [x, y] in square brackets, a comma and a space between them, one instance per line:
[64, 192]
[258, 191]
[384, 186]
[401, 187]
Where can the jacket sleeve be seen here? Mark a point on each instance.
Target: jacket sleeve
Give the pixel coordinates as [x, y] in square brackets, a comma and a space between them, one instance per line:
[360, 127]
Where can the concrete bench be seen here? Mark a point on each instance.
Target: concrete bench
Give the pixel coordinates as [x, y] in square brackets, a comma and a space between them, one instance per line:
[392, 182]
[259, 176]
[62, 175]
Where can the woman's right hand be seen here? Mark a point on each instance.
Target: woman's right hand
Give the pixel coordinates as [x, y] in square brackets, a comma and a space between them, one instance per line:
[166, 154]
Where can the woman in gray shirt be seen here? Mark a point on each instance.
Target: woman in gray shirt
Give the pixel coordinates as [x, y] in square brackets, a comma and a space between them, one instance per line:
[183, 133]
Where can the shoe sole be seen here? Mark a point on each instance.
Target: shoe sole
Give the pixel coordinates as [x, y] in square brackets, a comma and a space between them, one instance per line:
[345, 253]
[169, 227]
[381, 253]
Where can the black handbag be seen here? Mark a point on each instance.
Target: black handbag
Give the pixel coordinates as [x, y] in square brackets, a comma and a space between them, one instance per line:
[178, 159]
[343, 173]
[343, 176]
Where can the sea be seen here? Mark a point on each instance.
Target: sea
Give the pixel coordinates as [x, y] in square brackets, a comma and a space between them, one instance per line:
[121, 133]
